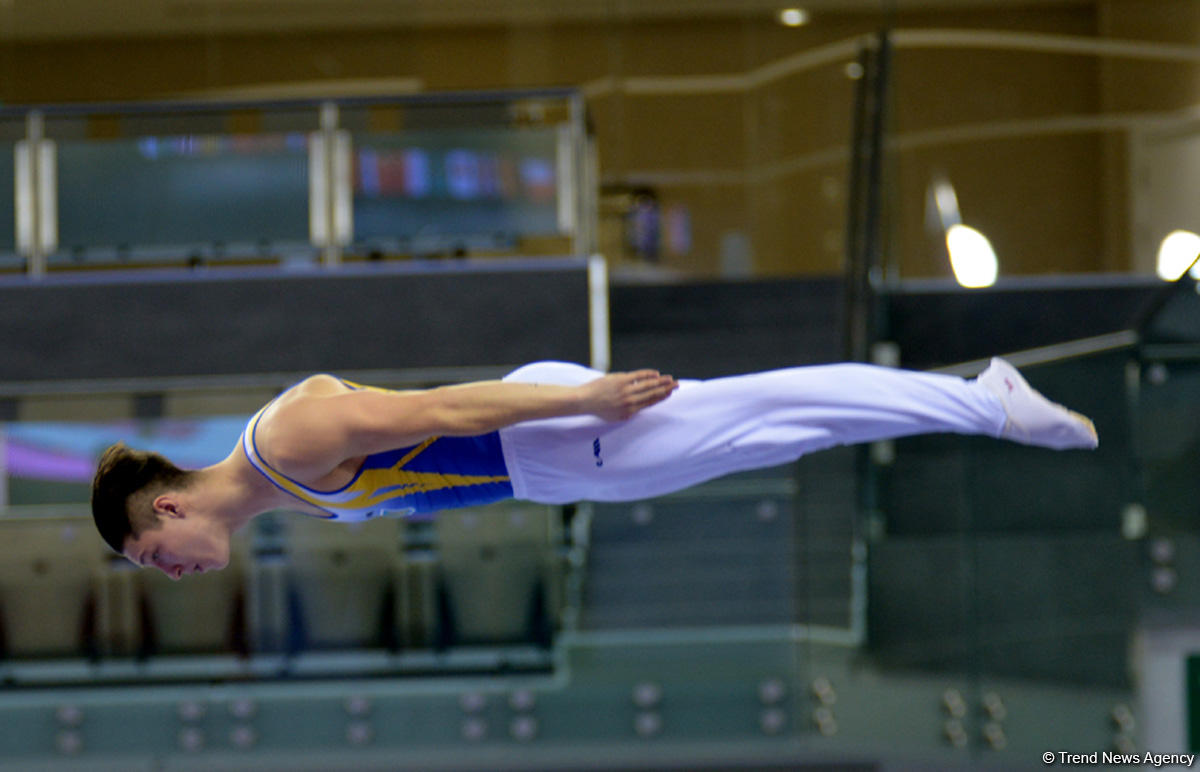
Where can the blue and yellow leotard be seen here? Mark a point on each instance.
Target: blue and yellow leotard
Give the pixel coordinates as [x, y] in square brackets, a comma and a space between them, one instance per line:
[439, 473]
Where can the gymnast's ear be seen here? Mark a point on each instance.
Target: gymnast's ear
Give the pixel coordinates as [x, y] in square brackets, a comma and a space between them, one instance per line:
[167, 504]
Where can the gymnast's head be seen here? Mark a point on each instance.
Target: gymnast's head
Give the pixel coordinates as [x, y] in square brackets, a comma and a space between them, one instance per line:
[146, 509]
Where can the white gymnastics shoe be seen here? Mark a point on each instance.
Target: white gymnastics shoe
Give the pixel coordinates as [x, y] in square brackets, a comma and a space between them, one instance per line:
[1033, 419]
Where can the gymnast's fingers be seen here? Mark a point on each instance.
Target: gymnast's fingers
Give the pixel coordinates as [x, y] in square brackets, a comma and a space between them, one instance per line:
[638, 379]
[649, 384]
[654, 391]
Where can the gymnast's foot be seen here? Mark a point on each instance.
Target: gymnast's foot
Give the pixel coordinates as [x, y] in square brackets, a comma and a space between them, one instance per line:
[1033, 419]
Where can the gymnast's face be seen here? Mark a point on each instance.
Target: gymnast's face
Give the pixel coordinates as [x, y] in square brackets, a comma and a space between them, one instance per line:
[182, 544]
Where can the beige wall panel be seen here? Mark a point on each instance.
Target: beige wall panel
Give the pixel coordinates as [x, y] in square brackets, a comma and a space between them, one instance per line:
[717, 213]
[769, 42]
[701, 132]
[1140, 86]
[939, 88]
[800, 223]
[102, 70]
[1165, 21]
[81, 408]
[705, 47]
[607, 114]
[501, 57]
[1037, 200]
[1068, 18]
[803, 114]
[462, 59]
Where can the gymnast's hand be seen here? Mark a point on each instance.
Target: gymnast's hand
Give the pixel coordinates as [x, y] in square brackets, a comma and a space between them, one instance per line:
[618, 396]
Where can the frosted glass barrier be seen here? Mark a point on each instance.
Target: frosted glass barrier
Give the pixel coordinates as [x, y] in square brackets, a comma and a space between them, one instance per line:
[176, 197]
[433, 190]
[8, 233]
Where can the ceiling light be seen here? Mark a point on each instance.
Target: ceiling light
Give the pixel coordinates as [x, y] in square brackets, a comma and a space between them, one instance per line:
[971, 257]
[793, 17]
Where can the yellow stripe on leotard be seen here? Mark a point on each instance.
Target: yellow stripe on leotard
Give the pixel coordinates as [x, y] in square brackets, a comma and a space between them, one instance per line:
[370, 487]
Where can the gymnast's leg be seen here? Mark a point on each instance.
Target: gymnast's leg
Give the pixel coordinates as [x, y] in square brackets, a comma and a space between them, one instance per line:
[711, 428]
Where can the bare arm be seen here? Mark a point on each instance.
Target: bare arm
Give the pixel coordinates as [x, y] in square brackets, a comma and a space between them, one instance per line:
[478, 408]
[313, 433]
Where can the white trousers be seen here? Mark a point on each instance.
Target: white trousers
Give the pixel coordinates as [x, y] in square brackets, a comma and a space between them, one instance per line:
[711, 428]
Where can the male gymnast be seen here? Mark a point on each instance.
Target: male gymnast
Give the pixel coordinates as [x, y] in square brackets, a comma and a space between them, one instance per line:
[549, 432]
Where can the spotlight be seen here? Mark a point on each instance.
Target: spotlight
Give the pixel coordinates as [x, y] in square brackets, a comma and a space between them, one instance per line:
[971, 257]
[1176, 254]
[793, 17]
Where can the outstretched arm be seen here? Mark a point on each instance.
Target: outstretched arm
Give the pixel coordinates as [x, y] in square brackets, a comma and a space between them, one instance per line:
[478, 408]
[312, 434]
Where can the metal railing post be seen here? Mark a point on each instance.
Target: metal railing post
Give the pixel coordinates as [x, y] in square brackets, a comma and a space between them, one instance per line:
[35, 191]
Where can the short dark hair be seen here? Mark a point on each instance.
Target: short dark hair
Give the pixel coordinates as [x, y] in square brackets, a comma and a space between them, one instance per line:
[121, 473]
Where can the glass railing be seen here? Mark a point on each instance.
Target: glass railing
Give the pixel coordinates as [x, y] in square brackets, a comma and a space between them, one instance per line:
[302, 181]
[173, 199]
[465, 191]
[8, 233]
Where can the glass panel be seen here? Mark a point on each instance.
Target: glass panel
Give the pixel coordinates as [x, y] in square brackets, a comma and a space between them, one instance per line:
[424, 192]
[720, 555]
[8, 227]
[183, 197]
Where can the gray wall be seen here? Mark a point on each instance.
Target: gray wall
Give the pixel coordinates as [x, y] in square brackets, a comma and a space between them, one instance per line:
[152, 325]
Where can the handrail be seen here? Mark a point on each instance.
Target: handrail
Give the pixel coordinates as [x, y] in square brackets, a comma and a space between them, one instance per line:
[1057, 352]
[844, 50]
[70, 110]
[1042, 42]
